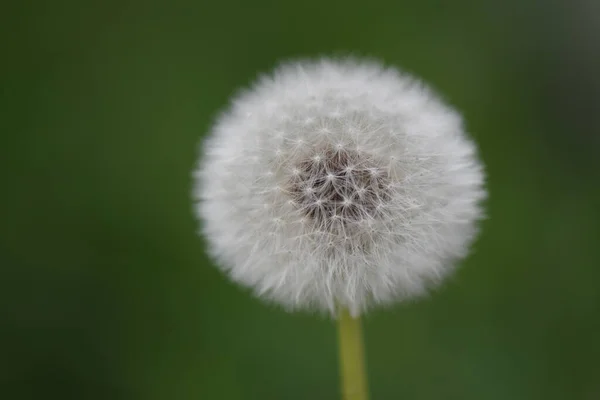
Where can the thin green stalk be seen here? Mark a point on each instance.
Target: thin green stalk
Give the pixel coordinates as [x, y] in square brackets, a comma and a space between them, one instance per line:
[352, 359]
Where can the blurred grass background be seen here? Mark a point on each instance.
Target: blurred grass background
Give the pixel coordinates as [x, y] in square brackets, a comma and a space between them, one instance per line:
[105, 290]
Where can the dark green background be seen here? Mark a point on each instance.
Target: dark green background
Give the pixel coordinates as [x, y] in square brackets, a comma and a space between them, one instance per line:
[105, 290]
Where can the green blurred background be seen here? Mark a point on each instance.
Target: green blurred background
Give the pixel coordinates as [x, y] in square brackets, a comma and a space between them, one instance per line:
[105, 290]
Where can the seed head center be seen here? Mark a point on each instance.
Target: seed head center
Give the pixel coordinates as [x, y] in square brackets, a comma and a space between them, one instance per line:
[339, 186]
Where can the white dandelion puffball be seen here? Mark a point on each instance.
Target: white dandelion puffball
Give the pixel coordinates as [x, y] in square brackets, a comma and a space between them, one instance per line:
[338, 183]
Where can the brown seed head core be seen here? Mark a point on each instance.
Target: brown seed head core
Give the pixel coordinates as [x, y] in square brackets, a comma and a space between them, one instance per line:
[339, 187]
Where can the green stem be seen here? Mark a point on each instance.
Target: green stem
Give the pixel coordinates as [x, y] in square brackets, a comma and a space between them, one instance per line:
[352, 360]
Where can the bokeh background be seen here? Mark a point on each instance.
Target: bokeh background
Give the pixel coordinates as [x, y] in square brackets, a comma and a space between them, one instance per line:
[105, 289]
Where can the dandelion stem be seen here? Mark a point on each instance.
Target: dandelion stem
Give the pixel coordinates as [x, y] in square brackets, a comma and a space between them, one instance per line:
[352, 360]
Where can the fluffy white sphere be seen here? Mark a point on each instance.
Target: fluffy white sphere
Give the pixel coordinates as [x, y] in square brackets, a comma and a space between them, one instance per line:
[338, 183]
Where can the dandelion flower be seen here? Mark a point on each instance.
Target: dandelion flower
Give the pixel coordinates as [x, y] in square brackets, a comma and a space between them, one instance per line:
[338, 183]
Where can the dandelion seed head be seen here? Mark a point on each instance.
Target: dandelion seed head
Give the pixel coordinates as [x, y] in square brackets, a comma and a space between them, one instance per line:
[338, 183]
